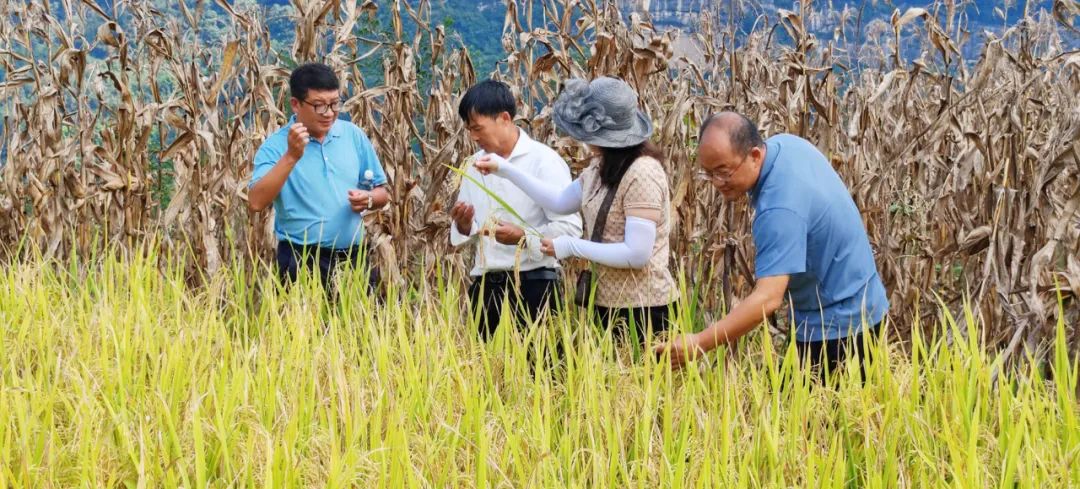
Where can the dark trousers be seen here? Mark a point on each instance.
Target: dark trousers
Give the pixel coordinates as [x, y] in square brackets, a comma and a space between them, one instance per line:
[832, 353]
[534, 294]
[292, 257]
[621, 319]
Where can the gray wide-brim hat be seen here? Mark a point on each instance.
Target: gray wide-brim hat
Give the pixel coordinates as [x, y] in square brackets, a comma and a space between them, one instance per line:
[602, 113]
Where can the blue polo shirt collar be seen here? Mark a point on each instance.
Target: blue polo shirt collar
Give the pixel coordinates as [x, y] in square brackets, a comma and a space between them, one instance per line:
[772, 151]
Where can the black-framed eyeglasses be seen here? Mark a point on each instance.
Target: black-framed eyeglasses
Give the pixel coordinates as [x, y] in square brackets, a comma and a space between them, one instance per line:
[322, 109]
[721, 174]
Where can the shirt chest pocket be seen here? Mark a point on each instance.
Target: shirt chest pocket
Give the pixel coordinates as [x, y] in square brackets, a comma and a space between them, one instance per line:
[344, 168]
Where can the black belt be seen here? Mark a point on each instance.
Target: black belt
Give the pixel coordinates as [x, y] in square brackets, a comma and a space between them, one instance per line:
[314, 250]
[502, 276]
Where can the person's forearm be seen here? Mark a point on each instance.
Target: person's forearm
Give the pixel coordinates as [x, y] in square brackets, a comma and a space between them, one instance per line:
[263, 193]
[741, 320]
[555, 198]
[633, 252]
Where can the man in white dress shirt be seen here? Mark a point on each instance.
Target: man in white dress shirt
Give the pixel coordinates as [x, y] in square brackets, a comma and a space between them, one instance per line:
[505, 246]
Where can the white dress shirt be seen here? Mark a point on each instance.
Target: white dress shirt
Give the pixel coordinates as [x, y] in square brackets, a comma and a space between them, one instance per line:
[540, 161]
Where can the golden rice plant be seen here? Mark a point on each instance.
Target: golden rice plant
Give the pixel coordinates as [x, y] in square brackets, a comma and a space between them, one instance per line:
[141, 379]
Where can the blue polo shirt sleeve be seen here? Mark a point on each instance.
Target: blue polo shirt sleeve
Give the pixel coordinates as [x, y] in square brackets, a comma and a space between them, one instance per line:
[265, 158]
[780, 240]
[369, 161]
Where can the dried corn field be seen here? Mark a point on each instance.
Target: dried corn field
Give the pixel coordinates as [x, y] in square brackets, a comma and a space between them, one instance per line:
[967, 170]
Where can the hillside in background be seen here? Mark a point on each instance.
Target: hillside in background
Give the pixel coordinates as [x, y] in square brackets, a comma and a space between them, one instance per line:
[479, 23]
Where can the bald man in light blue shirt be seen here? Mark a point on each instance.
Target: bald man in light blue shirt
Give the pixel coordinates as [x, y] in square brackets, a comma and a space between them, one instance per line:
[811, 244]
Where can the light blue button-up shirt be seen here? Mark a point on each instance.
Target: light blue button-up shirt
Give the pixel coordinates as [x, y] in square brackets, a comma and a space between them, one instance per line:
[807, 226]
[313, 206]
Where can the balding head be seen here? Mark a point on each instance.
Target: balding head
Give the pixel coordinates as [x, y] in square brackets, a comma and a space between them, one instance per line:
[740, 132]
[730, 153]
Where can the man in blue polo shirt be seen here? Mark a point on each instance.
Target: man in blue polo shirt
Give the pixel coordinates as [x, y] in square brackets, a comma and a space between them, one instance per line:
[811, 245]
[321, 174]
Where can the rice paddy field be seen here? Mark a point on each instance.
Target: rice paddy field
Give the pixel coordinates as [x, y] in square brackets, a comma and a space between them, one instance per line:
[116, 374]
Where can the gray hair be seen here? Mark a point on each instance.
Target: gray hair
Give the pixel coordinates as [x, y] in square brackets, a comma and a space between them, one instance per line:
[742, 132]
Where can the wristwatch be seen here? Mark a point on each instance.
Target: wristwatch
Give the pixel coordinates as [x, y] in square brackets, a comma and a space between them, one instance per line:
[370, 201]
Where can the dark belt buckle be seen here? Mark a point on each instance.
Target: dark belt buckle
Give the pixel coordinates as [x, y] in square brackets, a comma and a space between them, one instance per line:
[497, 277]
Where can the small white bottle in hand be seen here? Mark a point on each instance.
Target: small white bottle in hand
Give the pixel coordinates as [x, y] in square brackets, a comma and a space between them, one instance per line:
[366, 185]
[369, 180]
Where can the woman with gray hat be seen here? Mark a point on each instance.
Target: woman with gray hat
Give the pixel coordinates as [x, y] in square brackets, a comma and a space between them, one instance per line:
[624, 199]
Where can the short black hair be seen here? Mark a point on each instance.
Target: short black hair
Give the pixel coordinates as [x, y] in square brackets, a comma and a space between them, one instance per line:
[489, 98]
[742, 132]
[312, 76]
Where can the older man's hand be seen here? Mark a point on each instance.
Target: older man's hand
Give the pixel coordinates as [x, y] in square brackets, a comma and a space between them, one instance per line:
[682, 349]
[297, 141]
[360, 200]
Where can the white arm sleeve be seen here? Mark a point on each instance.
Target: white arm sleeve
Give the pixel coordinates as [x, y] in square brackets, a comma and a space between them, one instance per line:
[633, 252]
[565, 200]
